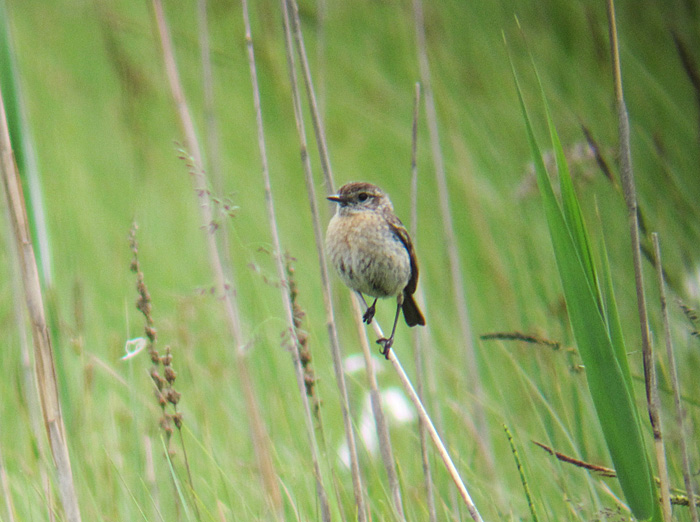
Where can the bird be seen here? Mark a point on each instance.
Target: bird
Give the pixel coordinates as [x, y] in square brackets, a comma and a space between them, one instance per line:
[373, 253]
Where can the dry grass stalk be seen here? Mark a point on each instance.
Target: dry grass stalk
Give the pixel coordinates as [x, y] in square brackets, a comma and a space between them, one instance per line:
[261, 442]
[673, 372]
[302, 337]
[435, 437]
[378, 412]
[282, 274]
[600, 470]
[29, 389]
[523, 337]
[212, 140]
[418, 352]
[473, 377]
[309, 374]
[358, 489]
[316, 119]
[437, 441]
[162, 373]
[630, 194]
[43, 351]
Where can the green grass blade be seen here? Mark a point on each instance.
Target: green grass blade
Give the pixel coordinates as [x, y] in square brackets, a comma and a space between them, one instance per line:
[612, 315]
[608, 387]
[572, 209]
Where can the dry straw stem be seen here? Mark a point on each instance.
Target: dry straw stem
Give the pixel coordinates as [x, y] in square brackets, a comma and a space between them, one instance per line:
[358, 489]
[43, 352]
[282, 274]
[523, 337]
[601, 470]
[261, 442]
[425, 418]
[630, 194]
[673, 371]
[316, 119]
[418, 352]
[29, 389]
[212, 139]
[377, 410]
[473, 377]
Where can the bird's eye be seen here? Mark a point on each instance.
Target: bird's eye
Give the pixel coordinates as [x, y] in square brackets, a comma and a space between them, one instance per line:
[363, 196]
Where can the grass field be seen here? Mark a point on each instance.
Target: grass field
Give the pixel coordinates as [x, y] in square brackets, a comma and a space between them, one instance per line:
[107, 141]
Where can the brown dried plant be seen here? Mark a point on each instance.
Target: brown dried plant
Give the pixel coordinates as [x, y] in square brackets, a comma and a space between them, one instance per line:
[302, 336]
[162, 373]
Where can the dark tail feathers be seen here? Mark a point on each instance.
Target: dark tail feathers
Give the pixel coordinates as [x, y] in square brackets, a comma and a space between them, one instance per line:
[411, 312]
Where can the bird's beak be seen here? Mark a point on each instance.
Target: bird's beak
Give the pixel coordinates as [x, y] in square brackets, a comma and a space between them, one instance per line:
[335, 198]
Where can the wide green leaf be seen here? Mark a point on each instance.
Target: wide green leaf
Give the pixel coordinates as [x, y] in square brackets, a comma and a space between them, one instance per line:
[608, 383]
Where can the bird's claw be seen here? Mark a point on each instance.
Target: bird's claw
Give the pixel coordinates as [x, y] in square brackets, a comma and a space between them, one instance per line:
[386, 346]
[368, 315]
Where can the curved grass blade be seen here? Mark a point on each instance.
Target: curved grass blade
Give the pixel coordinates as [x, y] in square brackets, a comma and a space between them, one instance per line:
[608, 385]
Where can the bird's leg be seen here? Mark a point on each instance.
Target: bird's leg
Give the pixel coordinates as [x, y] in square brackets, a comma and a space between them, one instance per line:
[369, 313]
[386, 343]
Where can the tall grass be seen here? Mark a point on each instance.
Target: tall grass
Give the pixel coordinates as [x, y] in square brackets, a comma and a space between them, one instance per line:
[102, 112]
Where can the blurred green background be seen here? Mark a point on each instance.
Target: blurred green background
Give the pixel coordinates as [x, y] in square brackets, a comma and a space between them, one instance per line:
[106, 137]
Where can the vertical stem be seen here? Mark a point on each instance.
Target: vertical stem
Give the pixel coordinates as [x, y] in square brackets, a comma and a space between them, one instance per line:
[378, 412]
[261, 442]
[45, 368]
[316, 118]
[212, 140]
[440, 447]
[358, 489]
[281, 274]
[675, 387]
[630, 194]
[419, 354]
[457, 281]
[425, 418]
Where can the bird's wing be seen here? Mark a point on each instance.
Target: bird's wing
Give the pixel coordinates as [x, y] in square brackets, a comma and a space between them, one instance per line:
[402, 234]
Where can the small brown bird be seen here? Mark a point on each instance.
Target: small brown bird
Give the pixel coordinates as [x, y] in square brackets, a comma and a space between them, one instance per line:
[372, 252]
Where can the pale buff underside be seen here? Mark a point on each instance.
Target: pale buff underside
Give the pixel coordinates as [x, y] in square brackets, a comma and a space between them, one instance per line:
[380, 267]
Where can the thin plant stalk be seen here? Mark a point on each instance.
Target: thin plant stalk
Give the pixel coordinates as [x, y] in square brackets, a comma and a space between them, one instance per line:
[26, 163]
[358, 489]
[521, 472]
[25, 155]
[675, 387]
[473, 377]
[316, 119]
[29, 389]
[212, 131]
[212, 136]
[425, 418]
[261, 442]
[281, 272]
[418, 352]
[378, 411]
[43, 351]
[630, 195]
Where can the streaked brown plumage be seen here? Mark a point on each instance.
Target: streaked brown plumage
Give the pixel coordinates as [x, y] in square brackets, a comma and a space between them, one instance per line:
[372, 251]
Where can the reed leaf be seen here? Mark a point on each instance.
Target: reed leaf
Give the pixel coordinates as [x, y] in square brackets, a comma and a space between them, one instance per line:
[595, 326]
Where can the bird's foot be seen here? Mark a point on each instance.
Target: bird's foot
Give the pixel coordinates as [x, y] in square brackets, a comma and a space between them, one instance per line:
[369, 314]
[386, 346]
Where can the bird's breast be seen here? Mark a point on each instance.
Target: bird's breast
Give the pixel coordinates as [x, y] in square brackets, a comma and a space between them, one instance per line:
[367, 254]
